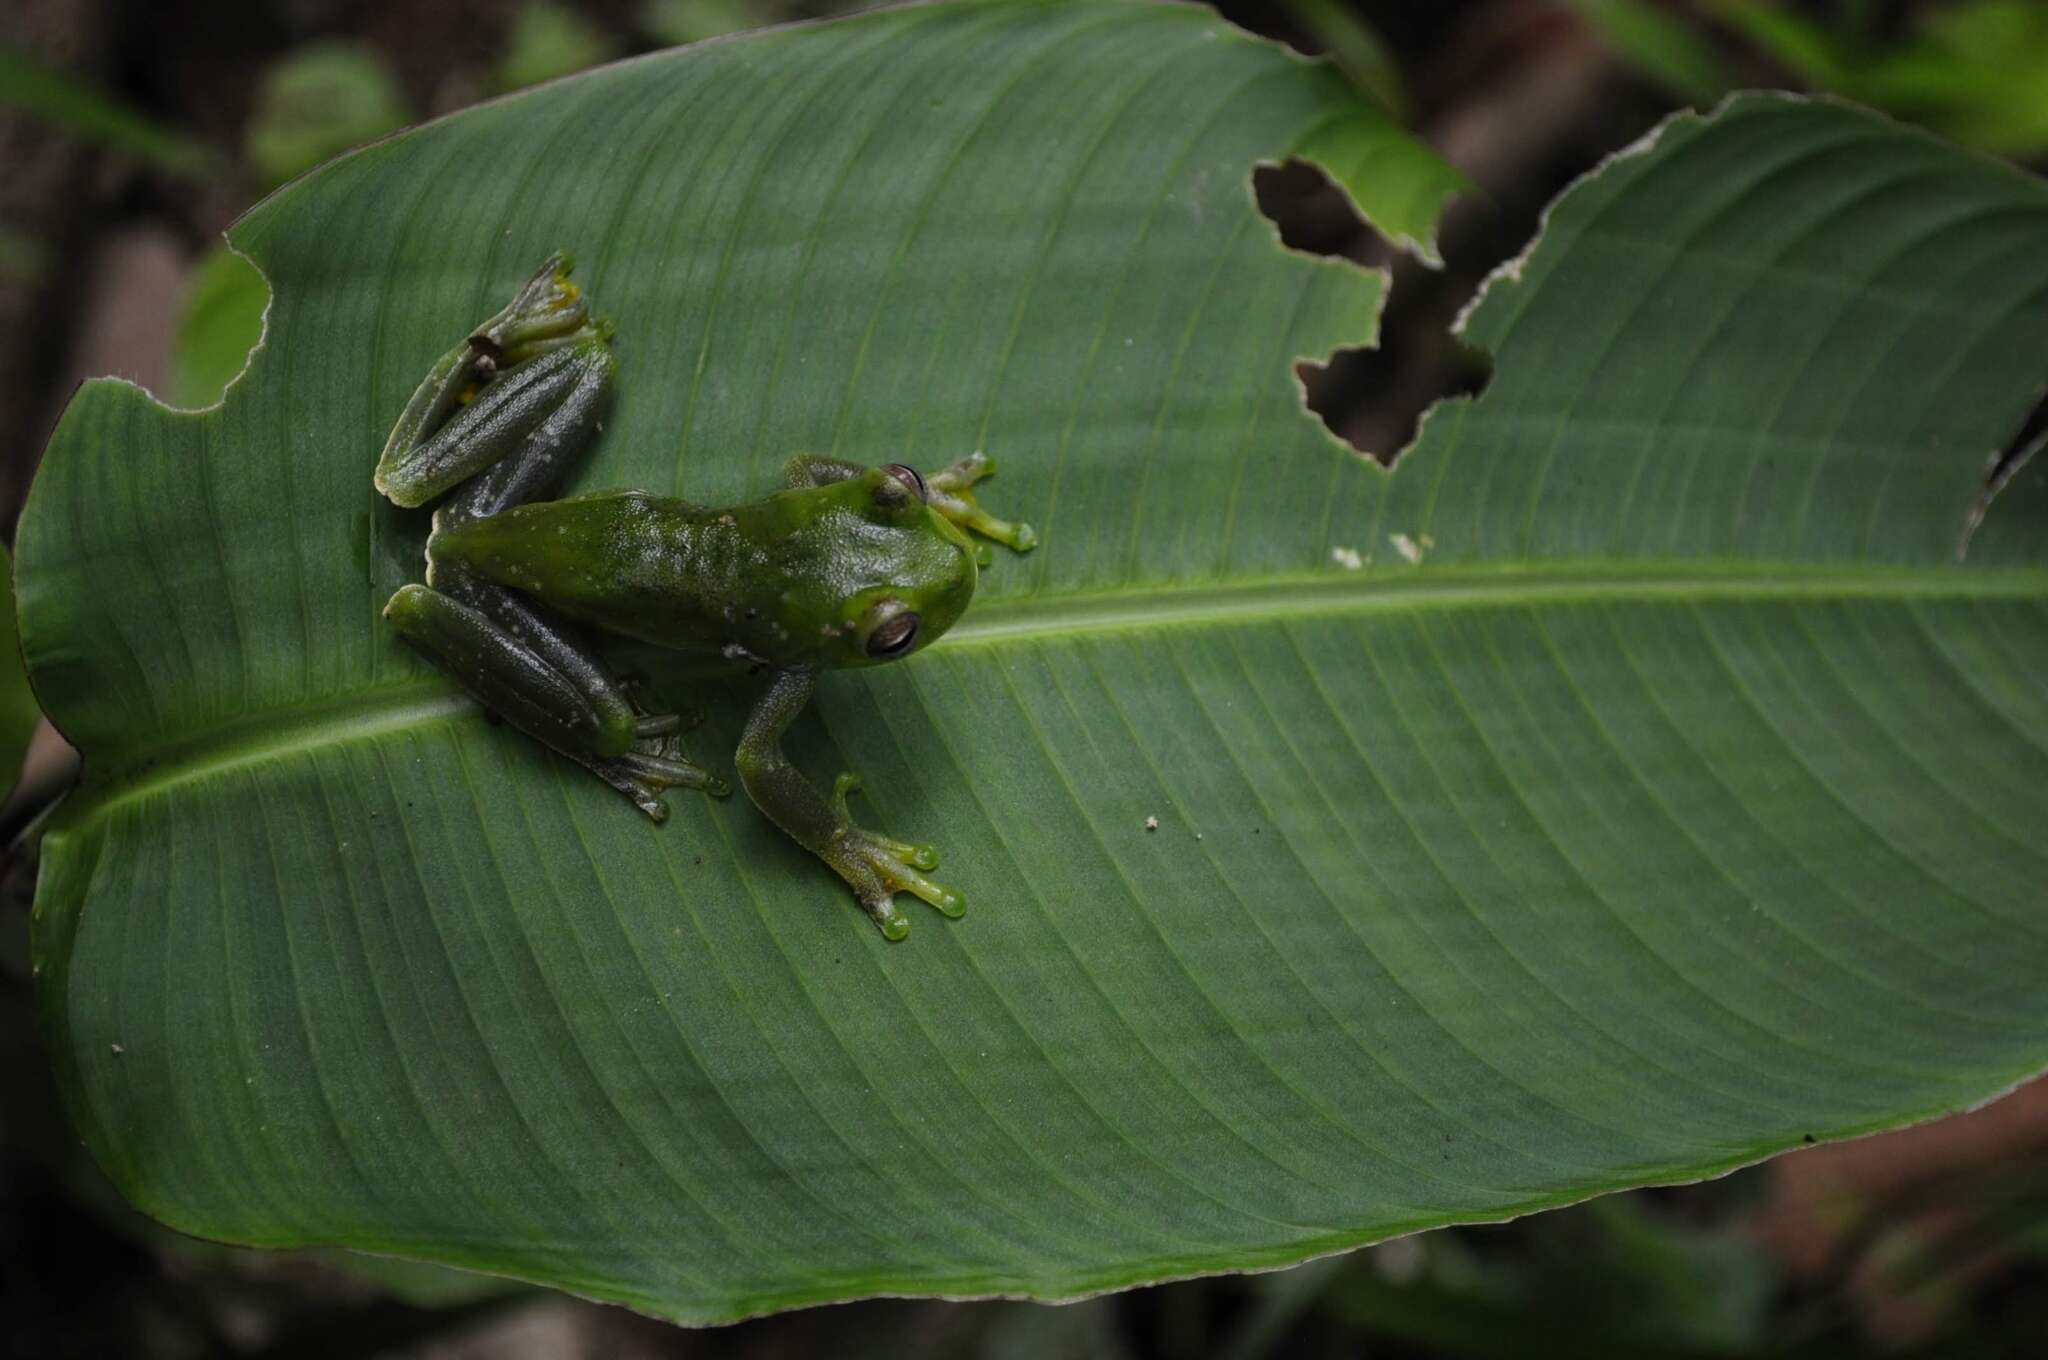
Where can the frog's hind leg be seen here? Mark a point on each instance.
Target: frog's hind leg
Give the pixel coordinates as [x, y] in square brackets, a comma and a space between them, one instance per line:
[515, 438]
[522, 665]
[521, 395]
[545, 309]
[571, 387]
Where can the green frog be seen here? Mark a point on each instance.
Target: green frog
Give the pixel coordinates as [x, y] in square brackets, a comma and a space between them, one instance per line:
[847, 566]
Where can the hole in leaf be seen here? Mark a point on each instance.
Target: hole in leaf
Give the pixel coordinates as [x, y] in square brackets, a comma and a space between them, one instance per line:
[1374, 399]
[220, 329]
[1313, 215]
[1371, 398]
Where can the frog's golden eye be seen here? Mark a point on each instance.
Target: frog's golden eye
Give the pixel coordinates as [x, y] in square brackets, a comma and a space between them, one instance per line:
[911, 478]
[893, 636]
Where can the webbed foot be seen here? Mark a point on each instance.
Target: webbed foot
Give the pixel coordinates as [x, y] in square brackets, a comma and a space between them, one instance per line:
[655, 763]
[878, 867]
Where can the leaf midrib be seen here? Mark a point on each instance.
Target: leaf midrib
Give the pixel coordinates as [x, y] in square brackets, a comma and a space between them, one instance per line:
[369, 714]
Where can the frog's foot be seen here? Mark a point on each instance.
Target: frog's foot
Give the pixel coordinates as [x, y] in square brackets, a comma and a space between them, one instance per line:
[643, 775]
[657, 757]
[952, 495]
[877, 867]
[642, 756]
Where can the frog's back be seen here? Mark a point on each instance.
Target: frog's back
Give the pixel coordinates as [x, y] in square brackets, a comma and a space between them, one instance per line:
[651, 567]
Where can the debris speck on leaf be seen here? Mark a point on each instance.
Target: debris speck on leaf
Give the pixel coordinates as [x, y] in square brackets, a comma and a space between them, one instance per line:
[1347, 558]
[1151, 823]
[1409, 548]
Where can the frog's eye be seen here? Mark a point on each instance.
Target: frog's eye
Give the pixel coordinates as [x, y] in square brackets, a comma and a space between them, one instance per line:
[911, 478]
[893, 636]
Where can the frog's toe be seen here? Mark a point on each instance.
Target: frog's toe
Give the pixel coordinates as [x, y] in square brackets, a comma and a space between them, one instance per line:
[964, 472]
[901, 871]
[960, 507]
[916, 856]
[644, 794]
[656, 725]
[893, 924]
[880, 868]
[664, 772]
[944, 899]
[1013, 534]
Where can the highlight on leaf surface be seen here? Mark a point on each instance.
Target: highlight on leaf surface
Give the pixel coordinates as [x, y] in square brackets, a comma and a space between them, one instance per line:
[1671, 799]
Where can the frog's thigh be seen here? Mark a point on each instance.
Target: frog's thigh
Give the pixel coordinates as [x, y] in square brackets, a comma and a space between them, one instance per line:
[573, 407]
[501, 418]
[617, 724]
[503, 672]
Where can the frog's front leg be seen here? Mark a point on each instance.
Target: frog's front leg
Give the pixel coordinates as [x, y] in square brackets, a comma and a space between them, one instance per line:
[874, 866]
[952, 495]
[950, 491]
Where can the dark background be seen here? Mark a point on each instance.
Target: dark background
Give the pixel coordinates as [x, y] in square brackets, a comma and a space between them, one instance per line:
[132, 132]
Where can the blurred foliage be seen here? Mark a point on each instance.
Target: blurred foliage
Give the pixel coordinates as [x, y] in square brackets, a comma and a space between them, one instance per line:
[1618, 1276]
[548, 41]
[671, 23]
[318, 102]
[1664, 46]
[23, 258]
[97, 117]
[1356, 48]
[1974, 71]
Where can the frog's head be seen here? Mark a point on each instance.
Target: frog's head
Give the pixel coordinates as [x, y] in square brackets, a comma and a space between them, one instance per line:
[897, 573]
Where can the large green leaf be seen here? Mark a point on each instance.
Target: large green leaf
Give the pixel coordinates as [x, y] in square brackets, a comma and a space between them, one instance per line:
[1681, 805]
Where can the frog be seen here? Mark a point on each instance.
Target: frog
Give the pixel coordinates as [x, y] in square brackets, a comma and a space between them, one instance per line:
[846, 566]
